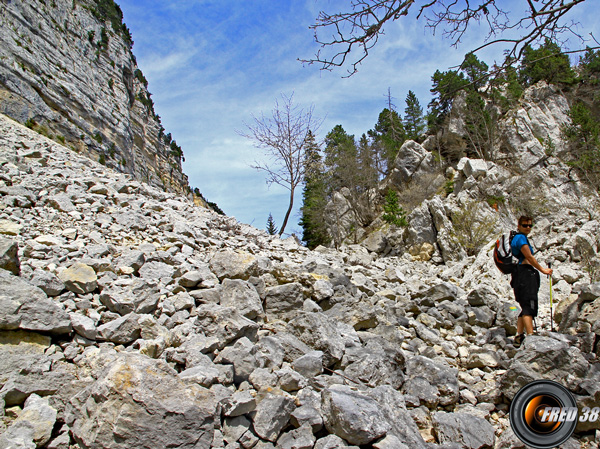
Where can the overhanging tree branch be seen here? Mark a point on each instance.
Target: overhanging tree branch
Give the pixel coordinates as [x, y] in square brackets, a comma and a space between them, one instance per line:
[358, 30]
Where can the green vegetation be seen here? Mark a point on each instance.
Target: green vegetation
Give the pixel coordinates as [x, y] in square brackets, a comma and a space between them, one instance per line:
[471, 230]
[583, 136]
[393, 212]
[481, 96]
[271, 227]
[97, 137]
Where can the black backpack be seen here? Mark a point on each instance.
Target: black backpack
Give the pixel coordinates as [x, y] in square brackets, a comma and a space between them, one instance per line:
[503, 257]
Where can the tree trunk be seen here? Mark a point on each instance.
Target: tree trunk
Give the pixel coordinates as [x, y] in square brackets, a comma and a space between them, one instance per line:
[289, 211]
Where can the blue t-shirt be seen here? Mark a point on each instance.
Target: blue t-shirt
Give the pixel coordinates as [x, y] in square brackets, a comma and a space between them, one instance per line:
[517, 242]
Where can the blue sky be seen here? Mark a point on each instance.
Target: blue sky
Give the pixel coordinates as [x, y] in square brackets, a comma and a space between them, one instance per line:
[213, 64]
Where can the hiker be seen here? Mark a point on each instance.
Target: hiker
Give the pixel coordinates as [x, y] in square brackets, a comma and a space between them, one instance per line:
[526, 279]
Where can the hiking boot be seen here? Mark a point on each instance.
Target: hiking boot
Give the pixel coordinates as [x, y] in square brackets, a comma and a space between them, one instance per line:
[518, 340]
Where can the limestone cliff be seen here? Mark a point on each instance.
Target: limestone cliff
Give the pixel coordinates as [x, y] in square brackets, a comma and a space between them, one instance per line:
[67, 71]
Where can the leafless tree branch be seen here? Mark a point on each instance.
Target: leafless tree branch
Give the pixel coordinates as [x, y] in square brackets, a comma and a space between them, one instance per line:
[282, 137]
[361, 28]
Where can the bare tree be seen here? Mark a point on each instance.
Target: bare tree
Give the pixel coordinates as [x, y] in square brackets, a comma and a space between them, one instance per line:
[362, 27]
[283, 139]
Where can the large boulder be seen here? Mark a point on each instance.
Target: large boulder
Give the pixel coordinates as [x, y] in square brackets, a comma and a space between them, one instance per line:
[352, 415]
[544, 358]
[470, 432]
[141, 402]
[23, 306]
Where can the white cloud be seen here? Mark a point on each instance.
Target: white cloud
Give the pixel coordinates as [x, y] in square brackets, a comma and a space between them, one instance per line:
[212, 64]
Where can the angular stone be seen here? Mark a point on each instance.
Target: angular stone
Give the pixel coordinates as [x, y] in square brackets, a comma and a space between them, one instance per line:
[122, 331]
[272, 414]
[351, 415]
[225, 324]
[23, 306]
[9, 227]
[471, 432]
[320, 333]
[233, 264]
[9, 256]
[84, 326]
[141, 402]
[48, 282]
[243, 296]
[79, 278]
[131, 295]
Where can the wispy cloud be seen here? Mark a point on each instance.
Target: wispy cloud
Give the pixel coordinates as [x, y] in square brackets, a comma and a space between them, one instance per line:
[212, 64]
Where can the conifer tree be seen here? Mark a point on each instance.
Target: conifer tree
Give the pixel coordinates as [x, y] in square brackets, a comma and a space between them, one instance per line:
[547, 63]
[314, 197]
[388, 135]
[340, 159]
[414, 124]
[271, 227]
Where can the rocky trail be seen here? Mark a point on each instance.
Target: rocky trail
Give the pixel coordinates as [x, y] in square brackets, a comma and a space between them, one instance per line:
[130, 318]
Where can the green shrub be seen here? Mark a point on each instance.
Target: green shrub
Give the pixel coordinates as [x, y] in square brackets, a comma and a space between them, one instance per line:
[470, 230]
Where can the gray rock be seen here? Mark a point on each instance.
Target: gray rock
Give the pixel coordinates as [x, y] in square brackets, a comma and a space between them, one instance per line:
[320, 333]
[242, 356]
[284, 299]
[140, 402]
[23, 306]
[235, 428]
[239, 403]
[444, 378]
[243, 296]
[158, 271]
[129, 262]
[544, 358]
[352, 415]
[471, 432]
[390, 442]
[9, 256]
[33, 427]
[84, 326]
[131, 295]
[393, 411]
[79, 278]
[201, 277]
[307, 415]
[226, 324]
[309, 365]
[272, 414]
[204, 372]
[331, 442]
[48, 282]
[123, 330]
[300, 438]
[233, 264]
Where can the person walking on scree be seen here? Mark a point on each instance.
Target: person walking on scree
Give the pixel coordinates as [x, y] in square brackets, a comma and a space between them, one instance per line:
[526, 279]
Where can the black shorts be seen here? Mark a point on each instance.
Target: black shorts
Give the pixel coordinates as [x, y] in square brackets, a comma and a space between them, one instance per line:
[526, 283]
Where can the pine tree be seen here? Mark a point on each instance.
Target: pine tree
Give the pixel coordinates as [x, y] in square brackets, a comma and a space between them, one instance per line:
[271, 228]
[388, 135]
[445, 87]
[547, 63]
[414, 123]
[340, 159]
[393, 212]
[314, 197]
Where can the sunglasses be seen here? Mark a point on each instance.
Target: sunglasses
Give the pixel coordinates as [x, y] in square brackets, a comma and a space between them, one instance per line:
[530, 225]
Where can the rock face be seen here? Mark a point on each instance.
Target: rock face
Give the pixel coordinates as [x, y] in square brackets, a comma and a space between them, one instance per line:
[66, 68]
[129, 317]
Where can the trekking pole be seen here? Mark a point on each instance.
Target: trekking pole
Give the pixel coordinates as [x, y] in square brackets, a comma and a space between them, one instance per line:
[551, 305]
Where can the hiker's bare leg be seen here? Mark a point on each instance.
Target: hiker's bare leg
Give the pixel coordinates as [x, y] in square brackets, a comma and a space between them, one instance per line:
[525, 322]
